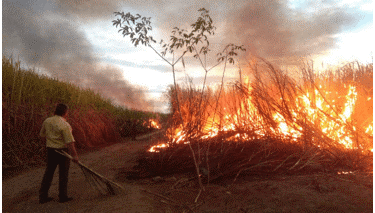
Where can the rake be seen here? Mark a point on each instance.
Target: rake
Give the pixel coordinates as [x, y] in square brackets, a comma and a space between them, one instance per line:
[96, 181]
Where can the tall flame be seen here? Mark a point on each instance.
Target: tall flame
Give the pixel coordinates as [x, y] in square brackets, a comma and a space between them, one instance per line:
[314, 106]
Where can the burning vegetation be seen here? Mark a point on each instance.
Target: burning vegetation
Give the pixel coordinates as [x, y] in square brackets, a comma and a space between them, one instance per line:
[272, 122]
[153, 124]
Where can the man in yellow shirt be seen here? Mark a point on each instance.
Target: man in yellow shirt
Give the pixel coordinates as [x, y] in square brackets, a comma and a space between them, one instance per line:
[58, 134]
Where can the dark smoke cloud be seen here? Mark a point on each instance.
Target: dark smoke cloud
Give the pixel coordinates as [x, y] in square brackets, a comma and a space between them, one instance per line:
[88, 10]
[47, 33]
[268, 28]
[57, 45]
[273, 30]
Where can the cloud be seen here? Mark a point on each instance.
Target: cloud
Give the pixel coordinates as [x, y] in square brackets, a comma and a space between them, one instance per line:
[273, 30]
[88, 10]
[268, 28]
[50, 34]
[54, 42]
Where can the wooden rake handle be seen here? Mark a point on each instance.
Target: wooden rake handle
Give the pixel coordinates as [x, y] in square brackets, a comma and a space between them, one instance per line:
[62, 152]
[87, 168]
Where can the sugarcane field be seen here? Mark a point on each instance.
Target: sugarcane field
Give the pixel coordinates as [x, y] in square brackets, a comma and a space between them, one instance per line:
[265, 109]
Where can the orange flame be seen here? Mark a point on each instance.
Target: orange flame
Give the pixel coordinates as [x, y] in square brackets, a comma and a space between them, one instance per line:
[315, 107]
[154, 148]
[154, 124]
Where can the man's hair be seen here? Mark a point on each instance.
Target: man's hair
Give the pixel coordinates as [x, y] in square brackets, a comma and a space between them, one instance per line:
[61, 109]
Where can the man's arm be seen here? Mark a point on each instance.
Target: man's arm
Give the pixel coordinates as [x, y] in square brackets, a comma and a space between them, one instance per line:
[70, 142]
[73, 151]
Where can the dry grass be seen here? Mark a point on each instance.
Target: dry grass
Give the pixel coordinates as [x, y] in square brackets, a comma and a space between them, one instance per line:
[235, 131]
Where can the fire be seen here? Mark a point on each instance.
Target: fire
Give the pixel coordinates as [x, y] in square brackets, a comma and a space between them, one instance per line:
[153, 149]
[284, 129]
[369, 130]
[154, 124]
[344, 173]
[175, 135]
[319, 107]
[349, 105]
[335, 129]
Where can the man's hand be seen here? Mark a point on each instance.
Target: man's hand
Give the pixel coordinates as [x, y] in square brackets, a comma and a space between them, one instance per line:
[73, 152]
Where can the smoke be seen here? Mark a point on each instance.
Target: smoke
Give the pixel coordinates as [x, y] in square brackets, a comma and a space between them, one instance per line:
[272, 29]
[47, 34]
[88, 10]
[45, 37]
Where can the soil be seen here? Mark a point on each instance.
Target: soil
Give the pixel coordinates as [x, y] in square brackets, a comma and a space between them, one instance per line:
[352, 192]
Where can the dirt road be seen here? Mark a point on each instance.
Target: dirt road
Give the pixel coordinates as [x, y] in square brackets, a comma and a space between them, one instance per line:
[299, 193]
[20, 193]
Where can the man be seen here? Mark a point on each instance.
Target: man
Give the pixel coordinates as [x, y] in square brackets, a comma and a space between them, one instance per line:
[58, 134]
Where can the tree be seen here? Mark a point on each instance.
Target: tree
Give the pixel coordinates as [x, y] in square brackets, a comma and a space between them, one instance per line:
[194, 41]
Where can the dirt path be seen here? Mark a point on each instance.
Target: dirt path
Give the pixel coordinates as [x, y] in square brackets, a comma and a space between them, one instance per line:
[20, 193]
[298, 193]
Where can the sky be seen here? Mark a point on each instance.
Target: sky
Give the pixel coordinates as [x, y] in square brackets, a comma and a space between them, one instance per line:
[75, 41]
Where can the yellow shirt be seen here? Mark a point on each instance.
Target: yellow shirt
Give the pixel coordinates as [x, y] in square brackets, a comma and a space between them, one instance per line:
[57, 131]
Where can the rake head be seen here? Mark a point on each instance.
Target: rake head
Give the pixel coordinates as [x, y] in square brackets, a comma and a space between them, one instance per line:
[98, 182]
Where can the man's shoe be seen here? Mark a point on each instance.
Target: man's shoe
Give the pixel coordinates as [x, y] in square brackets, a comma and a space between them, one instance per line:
[45, 200]
[64, 200]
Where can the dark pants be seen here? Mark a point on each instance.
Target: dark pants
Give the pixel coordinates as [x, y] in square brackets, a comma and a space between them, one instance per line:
[54, 159]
